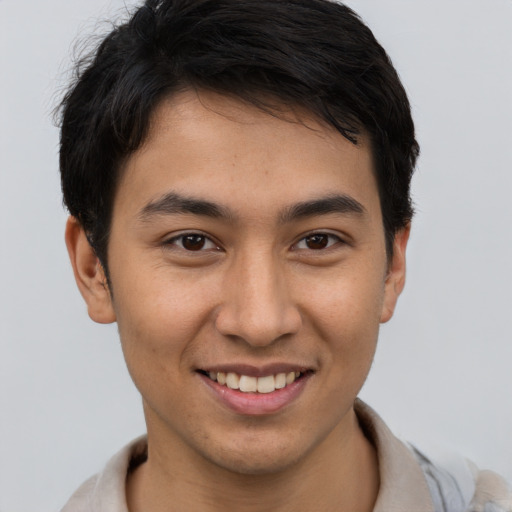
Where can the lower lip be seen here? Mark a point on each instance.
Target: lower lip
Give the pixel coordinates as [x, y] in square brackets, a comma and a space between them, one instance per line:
[254, 404]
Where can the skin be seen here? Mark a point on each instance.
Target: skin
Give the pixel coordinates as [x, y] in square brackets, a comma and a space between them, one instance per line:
[258, 291]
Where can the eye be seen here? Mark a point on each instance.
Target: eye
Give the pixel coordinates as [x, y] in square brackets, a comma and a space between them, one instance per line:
[318, 241]
[192, 242]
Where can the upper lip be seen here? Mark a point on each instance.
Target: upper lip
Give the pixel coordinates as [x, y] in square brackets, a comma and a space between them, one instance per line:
[256, 371]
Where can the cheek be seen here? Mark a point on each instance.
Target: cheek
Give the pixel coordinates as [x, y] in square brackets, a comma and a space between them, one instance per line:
[344, 318]
[345, 312]
[159, 317]
[348, 303]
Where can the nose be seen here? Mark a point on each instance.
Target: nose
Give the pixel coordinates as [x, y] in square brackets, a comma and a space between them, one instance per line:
[257, 305]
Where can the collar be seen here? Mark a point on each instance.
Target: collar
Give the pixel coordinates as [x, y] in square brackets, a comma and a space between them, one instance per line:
[402, 485]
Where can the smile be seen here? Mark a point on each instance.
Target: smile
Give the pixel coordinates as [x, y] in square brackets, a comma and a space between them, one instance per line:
[249, 384]
[251, 391]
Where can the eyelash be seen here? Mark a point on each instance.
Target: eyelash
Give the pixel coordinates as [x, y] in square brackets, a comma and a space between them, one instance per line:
[331, 241]
[175, 241]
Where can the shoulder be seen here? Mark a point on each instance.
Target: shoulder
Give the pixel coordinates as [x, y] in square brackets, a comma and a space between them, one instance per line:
[106, 491]
[456, 484]
[81, 499]
[440, 483]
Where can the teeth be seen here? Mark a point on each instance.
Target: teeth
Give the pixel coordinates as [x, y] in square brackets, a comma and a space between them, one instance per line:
[232, 381]
[248, 384]
[266, 384]
[280, 380]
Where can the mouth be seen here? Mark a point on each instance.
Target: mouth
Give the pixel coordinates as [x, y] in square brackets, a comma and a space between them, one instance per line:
[253, 392]
[250, 384]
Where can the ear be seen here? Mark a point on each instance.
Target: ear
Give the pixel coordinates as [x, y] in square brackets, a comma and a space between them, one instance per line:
[395, 278]
[89, 274]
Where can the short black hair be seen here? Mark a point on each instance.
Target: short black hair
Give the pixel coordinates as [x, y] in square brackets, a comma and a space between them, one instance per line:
[313, 54]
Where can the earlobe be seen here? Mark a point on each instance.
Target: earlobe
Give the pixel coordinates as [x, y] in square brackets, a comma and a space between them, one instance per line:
[395, 279]
[89, 274]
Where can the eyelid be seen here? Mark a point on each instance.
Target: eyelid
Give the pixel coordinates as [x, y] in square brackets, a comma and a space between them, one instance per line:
[171, 241]
[338, 240]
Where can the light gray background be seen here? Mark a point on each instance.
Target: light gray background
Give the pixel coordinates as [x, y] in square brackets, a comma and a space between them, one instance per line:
[442, 375]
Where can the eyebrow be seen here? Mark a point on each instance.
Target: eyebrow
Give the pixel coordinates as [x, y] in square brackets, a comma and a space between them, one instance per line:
[173, 203]
[336, 203]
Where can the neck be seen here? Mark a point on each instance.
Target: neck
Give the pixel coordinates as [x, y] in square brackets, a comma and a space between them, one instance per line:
[341, 474]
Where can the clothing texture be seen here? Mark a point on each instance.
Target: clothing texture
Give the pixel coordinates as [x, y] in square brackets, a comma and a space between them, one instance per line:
[409, 481]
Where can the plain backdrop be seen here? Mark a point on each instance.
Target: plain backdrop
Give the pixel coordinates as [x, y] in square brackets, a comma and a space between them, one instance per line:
[442, 375]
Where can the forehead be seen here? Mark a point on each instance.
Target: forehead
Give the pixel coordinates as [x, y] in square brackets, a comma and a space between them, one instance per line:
[223, 150]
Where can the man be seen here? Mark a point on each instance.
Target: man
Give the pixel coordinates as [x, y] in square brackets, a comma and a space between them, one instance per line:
[237, 174]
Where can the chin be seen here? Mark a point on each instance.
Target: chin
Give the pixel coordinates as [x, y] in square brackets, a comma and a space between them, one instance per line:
[255, 462]
[259, 455]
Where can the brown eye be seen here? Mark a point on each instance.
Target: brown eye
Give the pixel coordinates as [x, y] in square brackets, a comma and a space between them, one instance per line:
[193, 242]
[191, 245]
[318, 241]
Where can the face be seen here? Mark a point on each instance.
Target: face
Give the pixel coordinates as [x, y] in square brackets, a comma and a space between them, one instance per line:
[247, 251]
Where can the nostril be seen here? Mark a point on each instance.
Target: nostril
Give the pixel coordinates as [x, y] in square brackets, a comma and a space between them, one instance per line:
[258, 326]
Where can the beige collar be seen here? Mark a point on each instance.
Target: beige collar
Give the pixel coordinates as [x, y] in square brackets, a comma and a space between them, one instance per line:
[403, 487]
